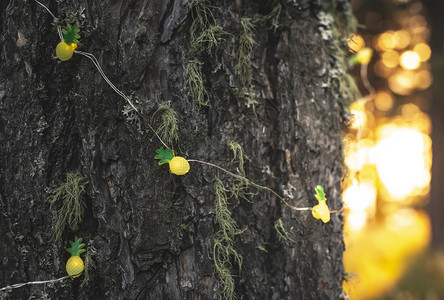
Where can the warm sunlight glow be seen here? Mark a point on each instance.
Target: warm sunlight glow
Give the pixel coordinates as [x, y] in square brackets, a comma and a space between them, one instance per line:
[402, 82]
[357, 154]
[388, 154]
[357, 109]
[378, 254]
[400, 160]
[410, 60]
[390, 58]
[384, 100]
[360, 199]
[402, 39]
[423, 51]
[386, 41]
[423, 79]
[356, 43]
[409, 111]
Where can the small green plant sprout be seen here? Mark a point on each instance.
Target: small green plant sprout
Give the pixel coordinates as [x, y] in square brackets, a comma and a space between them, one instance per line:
[65, 48]
[74, 265]
[178, 164]
[321, 211]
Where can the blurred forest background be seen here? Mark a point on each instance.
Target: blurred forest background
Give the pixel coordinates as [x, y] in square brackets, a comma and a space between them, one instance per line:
[394, 218]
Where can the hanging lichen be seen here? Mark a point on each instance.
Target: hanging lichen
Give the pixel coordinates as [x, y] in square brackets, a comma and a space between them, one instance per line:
[282, 234]
[169, 128]
[272, 16]
[91, 252]
[239, 189]
[205, 35]
[224, 253]
[243, 69]
[70, 213]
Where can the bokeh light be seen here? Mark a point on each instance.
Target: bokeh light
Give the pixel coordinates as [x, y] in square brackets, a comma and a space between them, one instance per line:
[401, 39]
[410, 60]
[400, 160]
[384, 100]
[388, 151]
[376, 256]
[356, 43]
[423, 51]
[360, 199]
[390, 58]
[402, 82]
[423, 79]
[386, 41]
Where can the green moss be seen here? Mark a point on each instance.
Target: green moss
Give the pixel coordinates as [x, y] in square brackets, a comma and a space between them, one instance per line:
[243, 69]
[240, 188]
[272, 16]
[224, 253]
[70, 213]
[246, 42]
[238, 156]
[196, 83]
[262, 248]
[202, 17]
[91, 252]
[169, 128]
[205, 37]
[209, 39]
[282, 234]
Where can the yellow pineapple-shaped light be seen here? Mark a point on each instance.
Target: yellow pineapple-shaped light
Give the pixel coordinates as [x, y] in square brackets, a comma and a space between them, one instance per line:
[179, 165]
[74, 265]
[321, 211]
[365, 55]
[65, 49]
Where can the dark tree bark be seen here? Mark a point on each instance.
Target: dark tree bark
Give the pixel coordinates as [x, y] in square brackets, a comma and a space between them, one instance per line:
[153, 231]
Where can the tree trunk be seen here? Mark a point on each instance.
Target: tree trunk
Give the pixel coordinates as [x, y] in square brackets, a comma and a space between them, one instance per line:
[275, 85]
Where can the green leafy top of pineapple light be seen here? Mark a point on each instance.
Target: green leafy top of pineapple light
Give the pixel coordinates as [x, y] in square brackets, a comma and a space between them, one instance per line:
[70, 34]
[76, 247]
[320, 195]
[165, 155]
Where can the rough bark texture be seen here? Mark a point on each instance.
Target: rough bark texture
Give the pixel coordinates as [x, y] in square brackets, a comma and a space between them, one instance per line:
[154, 231]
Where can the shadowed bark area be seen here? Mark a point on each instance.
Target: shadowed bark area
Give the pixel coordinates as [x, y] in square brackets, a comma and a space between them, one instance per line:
[154, 232]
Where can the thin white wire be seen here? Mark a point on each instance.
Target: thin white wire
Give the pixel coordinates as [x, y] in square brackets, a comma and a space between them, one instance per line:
[47, 9]
[18, 285]
[365, 81]
[252, 183]
[97, 65]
